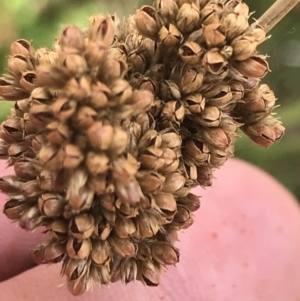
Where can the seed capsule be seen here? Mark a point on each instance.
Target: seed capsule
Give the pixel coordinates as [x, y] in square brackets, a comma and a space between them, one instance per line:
[210, 13]
[150, 181]
[146, 225]
[51, 205]
[164, 253]
[10, 185]
[100, 135]
[149, 273]
[197, 150]
[17, 64]
[235, 24]
[255, 66]
[78, 249]
[266, 132]
[14, 208]
[72, 156]
[97, 163]
[102, 29]
[191, 202]
[57, 132]
[54, 252]
[188, 17]
[95, 53]
[209, 117]
[219, 96]
[127, 271]
[72, 38]
[27, 80]
[170, 139]
[30, 189]
[21, 47]
[11, 130]
[214, 35]
[216, 137]
[190, 52]
[51, 76]
[146, 21]
[124, 247]
[218, 158]
[64, 108]
[30, 219]
[183, 218]
[9, 91]
[58, 228]
[100, 253]
[82, 226]
[204, 175]
[173, 111]
[124, 227]
[143, 100]
[166, 203]
[169, 35]
[168, 9]
[243, 47]
[191, 81]
[51, 157]
[174, 182]
[77, 272]
[214, 62]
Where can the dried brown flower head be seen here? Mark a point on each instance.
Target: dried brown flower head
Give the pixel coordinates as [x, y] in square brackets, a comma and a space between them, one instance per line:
[115, 125]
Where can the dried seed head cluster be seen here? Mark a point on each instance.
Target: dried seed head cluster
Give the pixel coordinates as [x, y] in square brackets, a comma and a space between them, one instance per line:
[114, 126]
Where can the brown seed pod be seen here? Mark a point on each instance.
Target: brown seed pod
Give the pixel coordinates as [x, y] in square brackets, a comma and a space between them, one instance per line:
[266, 132]
[122, 246]
[149, 273]
[82, 226]
[72, 37]
[146, 21]
[21, 47]
[9, 91]
[188, 17]
[164, 253]
[15, 208]
[54, 252]
[100, 253]
[255, 66]
[191, 81]
[173, 111]
[64, 108]
[51, 205]
[101, 29]
[190, 52]
[214, 62]
[146, 225]
[214, 35]
[210, 13]
[169, 35]
[167, 9]
[78, 249]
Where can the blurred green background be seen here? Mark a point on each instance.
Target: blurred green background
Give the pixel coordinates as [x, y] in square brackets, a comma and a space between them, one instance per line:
[41, 20]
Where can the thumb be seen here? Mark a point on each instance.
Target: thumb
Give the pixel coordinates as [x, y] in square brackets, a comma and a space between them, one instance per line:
[244, 246]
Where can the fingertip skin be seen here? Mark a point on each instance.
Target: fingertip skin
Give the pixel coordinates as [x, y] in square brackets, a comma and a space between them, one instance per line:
[243, 246]
[246, 238]
[15, 244]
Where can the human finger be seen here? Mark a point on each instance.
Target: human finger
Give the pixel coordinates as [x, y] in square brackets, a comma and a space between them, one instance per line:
[15, 244]
[244, 246]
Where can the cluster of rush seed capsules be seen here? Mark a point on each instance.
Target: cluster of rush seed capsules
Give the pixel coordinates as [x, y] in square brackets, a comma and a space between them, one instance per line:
[114, 126]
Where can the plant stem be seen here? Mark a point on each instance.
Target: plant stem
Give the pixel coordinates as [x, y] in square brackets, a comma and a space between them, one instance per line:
[275, 13]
